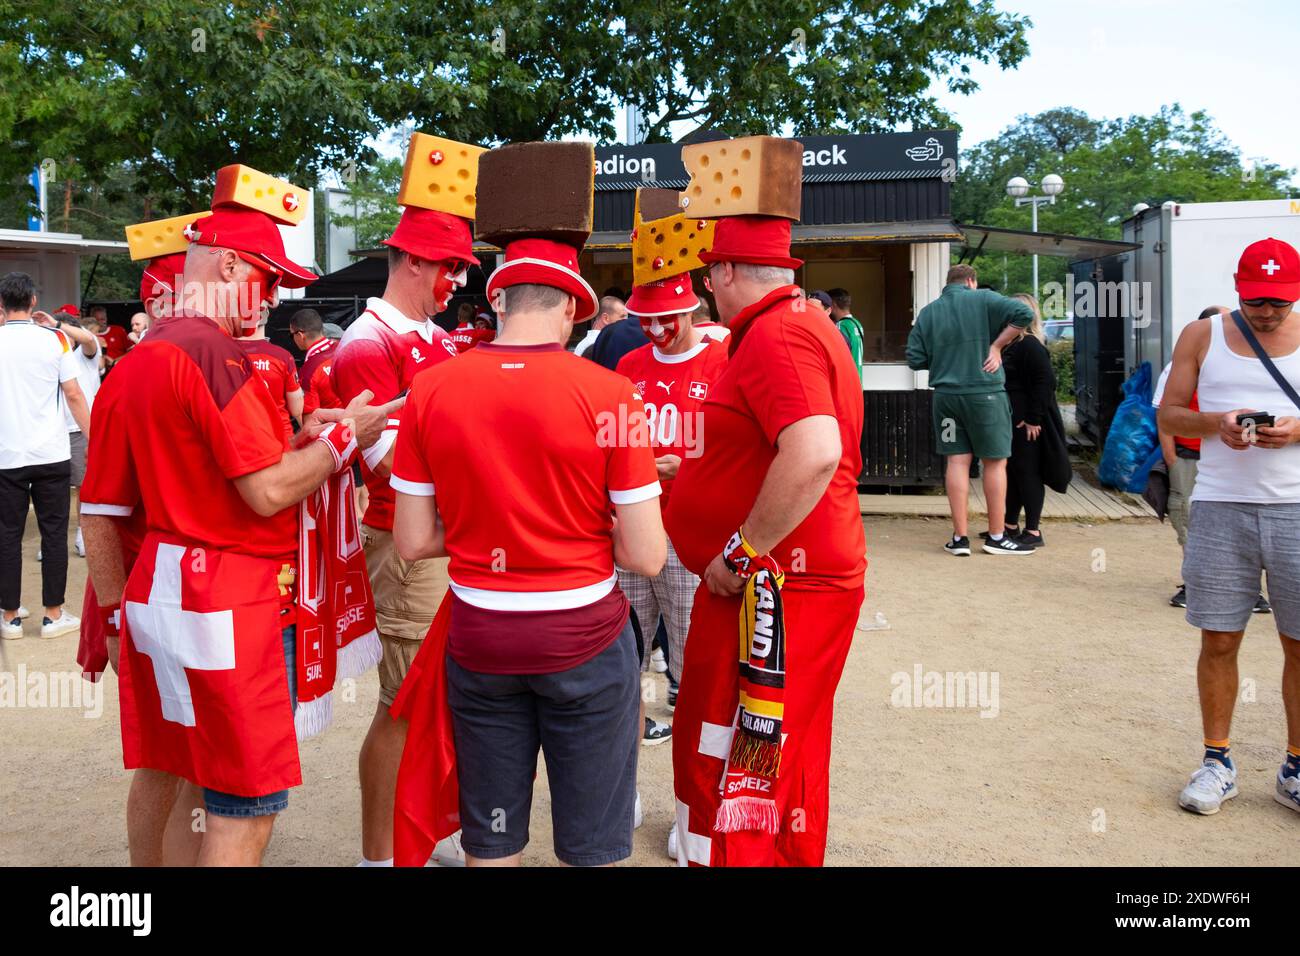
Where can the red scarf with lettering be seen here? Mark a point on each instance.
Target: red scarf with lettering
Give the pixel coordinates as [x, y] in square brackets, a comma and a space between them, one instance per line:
[427, 807]
[337, 639]
[749, 777]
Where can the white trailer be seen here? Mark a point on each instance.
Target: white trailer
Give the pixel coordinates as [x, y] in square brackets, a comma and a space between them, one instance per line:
[53, 260]
[1188, 255]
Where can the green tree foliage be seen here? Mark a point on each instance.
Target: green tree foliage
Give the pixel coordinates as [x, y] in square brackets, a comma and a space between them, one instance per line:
[1108, 165]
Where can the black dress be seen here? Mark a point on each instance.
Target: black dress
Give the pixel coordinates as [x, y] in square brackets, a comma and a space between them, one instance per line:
[1031, 386]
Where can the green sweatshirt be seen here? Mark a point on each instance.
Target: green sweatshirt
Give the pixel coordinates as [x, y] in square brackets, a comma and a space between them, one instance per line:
[952, 335]
[852, 333]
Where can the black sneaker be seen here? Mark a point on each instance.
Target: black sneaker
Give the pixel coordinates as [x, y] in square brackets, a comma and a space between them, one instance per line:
[1033, 540]
[1007, 546]
[1262, 606]
[1009, 532]
[958, 546]
[1180, 597]
[655, 732]
[672, 697]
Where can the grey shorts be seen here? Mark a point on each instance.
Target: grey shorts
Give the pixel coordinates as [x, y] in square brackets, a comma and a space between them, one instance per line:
[1229, 545]
[584, 720]
[77, 442]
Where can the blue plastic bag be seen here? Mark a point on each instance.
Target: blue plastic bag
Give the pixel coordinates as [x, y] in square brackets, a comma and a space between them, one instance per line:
[1132, 444]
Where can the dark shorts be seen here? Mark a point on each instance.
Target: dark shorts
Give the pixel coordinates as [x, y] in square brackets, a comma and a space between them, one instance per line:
[231, 804]
[585, 722]
[978, 424]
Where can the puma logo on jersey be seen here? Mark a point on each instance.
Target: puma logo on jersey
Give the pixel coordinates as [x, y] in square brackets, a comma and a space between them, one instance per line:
[667, 388]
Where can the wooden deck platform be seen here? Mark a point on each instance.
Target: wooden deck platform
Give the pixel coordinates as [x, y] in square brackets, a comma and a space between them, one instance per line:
[1081, 501]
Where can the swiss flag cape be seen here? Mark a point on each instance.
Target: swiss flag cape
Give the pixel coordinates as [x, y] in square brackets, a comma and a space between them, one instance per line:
[427, 808]
[204, 690]
[337, 638]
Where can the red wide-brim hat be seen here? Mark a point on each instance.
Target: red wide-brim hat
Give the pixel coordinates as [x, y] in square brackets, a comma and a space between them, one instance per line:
[671, 296]
[432, 235]
[255, 236]
[545, 262]
[160, 275]
[757, 240]
[1269, 269]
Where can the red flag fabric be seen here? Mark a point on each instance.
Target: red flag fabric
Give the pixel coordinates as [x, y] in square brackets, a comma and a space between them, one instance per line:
[204, 690]
[92, 648]
[337, 639]
[427, 807]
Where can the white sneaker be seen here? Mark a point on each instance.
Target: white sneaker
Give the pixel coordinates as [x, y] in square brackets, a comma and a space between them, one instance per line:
[65, 623]
[1210, 785]
[672, 843]
[448, 852]
[23, 613]
[638, 817]
[659, 663]
[11, 630]
[81, 544]
[1288, 791]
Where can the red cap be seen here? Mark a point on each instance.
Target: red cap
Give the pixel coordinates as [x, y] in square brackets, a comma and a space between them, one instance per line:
[545, 262]
[670, 296]
[432, 235]
[758, 240]
[255, 236]
[160, 275]
[1269, 269]
[69, 309]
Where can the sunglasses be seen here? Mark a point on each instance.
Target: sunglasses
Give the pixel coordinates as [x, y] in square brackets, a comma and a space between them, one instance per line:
[1274, 303]
[707, 278]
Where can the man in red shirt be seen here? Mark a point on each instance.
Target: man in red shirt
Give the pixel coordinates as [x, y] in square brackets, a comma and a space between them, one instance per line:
[428, 255]
[277, 369]
[775, 489]
[111, 337]
[672, 374]
[553, 455]
[308, 333]
[205, 658]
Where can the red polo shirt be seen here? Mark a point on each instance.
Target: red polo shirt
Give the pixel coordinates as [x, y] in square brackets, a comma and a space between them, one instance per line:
[787, 363]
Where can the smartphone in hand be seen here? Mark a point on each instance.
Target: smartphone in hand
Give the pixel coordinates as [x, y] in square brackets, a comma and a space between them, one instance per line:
[1257, 419]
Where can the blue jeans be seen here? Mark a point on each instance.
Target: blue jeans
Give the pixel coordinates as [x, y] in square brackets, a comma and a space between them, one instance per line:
[231, 804]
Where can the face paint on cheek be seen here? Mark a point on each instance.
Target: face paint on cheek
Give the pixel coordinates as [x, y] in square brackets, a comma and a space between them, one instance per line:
[446, 284]
[659, 332]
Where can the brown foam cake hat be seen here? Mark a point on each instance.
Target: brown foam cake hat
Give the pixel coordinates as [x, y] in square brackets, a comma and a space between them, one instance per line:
[536, 203]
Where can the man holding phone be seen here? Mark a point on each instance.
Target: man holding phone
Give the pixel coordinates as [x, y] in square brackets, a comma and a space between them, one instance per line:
[1245, 513]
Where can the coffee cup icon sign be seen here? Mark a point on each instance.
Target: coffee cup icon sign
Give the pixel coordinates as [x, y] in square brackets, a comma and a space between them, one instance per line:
[931, 151]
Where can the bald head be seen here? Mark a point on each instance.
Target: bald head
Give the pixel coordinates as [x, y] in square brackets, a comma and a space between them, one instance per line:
[612, 310]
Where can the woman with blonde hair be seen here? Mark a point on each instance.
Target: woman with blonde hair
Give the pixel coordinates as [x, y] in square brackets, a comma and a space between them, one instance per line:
[1031, 386]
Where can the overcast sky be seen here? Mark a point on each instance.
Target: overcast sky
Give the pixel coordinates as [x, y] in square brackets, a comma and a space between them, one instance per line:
[1236, 59]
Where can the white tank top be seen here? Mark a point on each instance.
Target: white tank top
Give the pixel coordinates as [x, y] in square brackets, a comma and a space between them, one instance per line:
[1228, 381]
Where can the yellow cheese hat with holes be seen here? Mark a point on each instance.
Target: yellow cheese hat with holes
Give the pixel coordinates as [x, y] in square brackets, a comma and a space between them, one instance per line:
[667, 244]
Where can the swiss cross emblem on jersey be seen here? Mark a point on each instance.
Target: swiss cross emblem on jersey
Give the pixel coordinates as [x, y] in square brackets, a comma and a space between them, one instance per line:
[640, 387]
[415, 354]
[698, 390]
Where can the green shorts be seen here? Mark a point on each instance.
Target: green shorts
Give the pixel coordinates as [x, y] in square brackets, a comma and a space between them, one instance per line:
[978, 424]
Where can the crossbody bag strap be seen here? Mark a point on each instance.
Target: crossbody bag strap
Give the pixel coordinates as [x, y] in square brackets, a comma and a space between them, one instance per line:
[1263, 356]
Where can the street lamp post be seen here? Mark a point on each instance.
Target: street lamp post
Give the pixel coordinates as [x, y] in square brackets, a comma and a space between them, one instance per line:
[1018, 189]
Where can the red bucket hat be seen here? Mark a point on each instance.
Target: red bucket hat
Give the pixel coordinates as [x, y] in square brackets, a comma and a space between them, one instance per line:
[70, 309]
[1269, 269]
[671, 296]
[432, 235]
[545, 262]
[758, 240]
[160, 275]
[255, 236]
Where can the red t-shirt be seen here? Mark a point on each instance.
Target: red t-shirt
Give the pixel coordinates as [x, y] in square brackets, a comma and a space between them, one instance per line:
[115, 342]
[1192, 444]
[322, 386]
[524, 485]
[466, 336]
[316, 356]
[276, 368]
[190, 416]
[382, 351]
[674, 388]
[786, 364]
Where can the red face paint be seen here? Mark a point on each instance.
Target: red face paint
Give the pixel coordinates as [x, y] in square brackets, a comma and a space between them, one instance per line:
[660, 329]
[447, 282]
